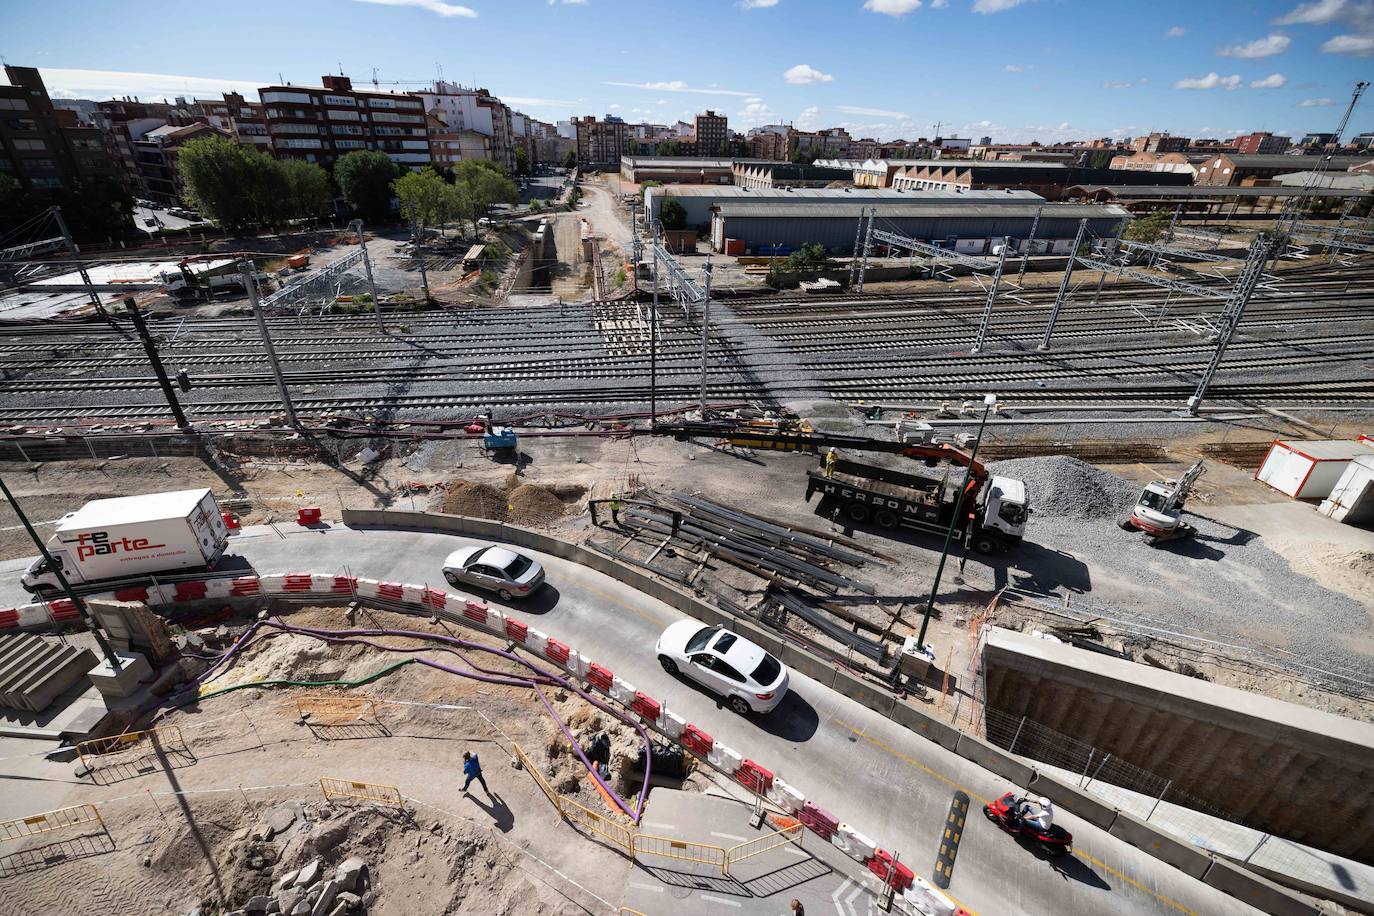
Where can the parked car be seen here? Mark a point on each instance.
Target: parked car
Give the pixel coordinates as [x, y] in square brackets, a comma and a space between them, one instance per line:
[494, 568]
[745, 676]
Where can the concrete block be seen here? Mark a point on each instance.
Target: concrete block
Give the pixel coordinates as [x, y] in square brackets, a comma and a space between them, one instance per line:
[1259, 893]
[308, 875]
[125, 681]
[993, 758]
[1181, 854]
[931, 729]
[328, 892]
[67, 668]
[349, 872]
[281, 818]
[1074, 800]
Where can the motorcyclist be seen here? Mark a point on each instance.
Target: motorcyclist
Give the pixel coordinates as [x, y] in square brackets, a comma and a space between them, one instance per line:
[1035, 813]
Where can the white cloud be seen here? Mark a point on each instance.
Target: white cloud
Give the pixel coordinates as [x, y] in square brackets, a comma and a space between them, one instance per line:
[434, 6]
[1317, 13]
[872, 112]
[804, 74]
[1272, 81]
[614, 106]
[1315, 103]
[1064, 125]
[892, 7]
[938, 4]
[755, 113]
[807, 119]
[1260, 47]
[758, 4]
[1125, 85]
[1016, 68]
[568, 2]
[1358, 45]
[679, 86]
[103, 84]
[1212, 80]
[536, 102]
[1176, 31]
[995, 6]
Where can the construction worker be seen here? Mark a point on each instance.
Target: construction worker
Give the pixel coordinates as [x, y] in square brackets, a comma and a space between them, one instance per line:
[615, 510]
[473, 770]
[830, 460]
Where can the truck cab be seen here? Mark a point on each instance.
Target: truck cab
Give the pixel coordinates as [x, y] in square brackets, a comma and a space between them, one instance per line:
[1005, 510]
[40, 579]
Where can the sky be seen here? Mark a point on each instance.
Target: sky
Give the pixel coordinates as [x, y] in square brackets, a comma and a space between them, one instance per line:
[1015, 70]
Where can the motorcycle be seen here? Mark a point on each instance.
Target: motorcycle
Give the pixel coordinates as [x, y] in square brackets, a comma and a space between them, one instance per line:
[1057, 841]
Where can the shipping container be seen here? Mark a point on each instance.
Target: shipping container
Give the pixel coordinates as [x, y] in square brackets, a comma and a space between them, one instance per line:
[1309, 469]
[1352, 498]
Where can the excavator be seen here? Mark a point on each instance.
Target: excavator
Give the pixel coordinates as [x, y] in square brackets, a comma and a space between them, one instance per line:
[1159, 510]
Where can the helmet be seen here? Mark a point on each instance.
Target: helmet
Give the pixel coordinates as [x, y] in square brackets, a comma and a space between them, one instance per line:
[1043, 802]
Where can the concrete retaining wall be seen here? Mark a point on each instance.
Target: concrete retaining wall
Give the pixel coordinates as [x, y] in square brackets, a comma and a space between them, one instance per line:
[1235, 881]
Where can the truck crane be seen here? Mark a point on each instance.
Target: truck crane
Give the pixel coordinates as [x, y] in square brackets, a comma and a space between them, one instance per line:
[1159, 510]
[995, 508]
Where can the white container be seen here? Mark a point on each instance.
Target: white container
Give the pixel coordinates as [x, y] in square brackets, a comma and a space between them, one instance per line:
[131, 536]
[1309, 469]
[1352, 498]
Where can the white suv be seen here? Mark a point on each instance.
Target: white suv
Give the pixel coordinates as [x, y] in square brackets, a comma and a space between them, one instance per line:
[748, 678]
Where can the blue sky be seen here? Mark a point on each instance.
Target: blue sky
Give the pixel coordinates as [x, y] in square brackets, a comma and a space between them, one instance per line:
[1012, 69]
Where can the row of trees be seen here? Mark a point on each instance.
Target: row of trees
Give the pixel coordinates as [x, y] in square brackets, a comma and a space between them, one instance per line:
[468, 192]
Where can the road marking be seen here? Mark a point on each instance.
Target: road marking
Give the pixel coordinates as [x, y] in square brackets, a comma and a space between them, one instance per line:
[730, 836]
[721, 900]
[658, 826]
[858, 732]
[616, 601]
[646, 887]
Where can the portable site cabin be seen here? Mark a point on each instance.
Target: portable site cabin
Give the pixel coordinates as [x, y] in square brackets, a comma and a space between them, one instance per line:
[1352, 498]
[1309, 469]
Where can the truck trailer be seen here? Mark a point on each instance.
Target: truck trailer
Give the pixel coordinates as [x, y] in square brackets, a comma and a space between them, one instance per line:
[992, 518]
[133, 536]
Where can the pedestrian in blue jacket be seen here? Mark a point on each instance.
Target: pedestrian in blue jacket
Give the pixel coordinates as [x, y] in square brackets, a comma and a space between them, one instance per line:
[473, 770]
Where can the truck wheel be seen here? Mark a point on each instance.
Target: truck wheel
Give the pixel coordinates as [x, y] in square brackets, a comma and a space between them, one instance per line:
[984, 543]
[857, 512]
[885, 518]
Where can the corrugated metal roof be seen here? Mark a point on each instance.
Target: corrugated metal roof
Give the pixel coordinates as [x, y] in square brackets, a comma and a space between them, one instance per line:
[1148, 190]
[894, 194]
[1279, 160]
[994, 164]
[1328, 449]
[732, 208]
[681, 162]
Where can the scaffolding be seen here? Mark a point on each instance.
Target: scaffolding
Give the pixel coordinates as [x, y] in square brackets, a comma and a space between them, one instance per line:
[318, 288]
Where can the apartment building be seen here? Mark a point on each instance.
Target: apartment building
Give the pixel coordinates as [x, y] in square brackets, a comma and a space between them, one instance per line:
[322, 124]
[1261, 143]
[156, 155]
[244, 121]
[464, 109]
[1160, 143]
[600, 142]
[448, 147]
[831, 143]
[42, 148]
[710, 132]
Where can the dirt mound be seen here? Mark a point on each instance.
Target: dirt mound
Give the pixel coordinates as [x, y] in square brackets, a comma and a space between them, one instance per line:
[532, 504]
[475, 500]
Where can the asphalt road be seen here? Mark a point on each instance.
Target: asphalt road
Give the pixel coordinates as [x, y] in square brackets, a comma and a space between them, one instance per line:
[874, 774]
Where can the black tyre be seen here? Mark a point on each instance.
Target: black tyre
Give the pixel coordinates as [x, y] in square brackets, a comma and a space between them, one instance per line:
[668, 664]
[985, 543]
[885, 518]
[452, 579]
[739, 706]
[504, 594]
[1125, 524]
[857, 512]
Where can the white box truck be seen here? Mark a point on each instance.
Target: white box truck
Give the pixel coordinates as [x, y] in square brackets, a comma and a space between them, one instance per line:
[132, 536]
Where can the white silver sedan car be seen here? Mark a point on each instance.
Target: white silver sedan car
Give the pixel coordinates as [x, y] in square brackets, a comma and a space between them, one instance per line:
[495, 568]
[748, 678]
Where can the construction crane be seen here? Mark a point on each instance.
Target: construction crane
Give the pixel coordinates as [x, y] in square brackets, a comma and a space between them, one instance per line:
[1295, 206]
[1159, 510]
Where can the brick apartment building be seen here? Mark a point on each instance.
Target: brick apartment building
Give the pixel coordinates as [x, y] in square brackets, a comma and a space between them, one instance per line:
[45, 149]
[320, 125]
[464, 109]
[710, 132]
[156, 156]
[1261, 143]
[600, 142]
[448, 147]
[244, 121]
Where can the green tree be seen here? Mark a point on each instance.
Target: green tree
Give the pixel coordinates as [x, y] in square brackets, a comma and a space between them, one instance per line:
[1147, 228]
[522, 161]
[424, 197]
[217, 177]
[486, 183]
[365, 177]
[307, 188]
[810, 257]
[673, 214]
[666, 148]
[570, 160]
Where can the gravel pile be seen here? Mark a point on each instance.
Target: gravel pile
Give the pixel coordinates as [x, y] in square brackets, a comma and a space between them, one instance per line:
[1224, 584]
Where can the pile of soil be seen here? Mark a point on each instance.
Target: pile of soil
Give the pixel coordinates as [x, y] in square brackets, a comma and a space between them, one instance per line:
[475, 500]
[532, 504]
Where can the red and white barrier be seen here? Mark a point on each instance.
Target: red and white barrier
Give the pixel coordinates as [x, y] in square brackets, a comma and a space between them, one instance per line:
[785, 797]
[672, 724]
[725, 758]
[622, 692]
[929, 900]
[853, 843]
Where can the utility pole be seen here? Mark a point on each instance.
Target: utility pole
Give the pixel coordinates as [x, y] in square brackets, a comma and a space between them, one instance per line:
[992, 297]
[858, 238]
[75, 252]
[1244, 286]
[250, 283]
[1063, 285]
[653, 340]
[705, 335]
[868, 244]
[419, 256]
[357, 226]
[150, 347]
[1030, 245]
[988, 401]
[66, 586]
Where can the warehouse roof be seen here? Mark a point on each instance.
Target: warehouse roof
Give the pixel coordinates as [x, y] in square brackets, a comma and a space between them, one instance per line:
[819, 194]
[1201, 190]
[994, 164]
[916, 210]
[680, 162]
[1281, 160]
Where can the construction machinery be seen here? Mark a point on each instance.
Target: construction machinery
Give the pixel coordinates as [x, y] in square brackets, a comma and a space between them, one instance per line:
[994, 509]
[1159, 510]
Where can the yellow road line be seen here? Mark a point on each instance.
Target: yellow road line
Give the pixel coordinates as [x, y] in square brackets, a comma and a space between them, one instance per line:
[950, 782]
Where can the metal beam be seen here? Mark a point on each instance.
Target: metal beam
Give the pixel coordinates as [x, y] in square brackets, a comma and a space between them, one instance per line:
[1167, 251]
[933, 252]
[38, 247]
[1178, 286]
[305, 287]
[1064, 285]
[1236, 302]
[992, 298]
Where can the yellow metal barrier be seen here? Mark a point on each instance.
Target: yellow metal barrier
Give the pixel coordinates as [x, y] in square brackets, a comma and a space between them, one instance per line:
[351, 710]
[167, 737]
[611, 831]
[334, 787]
[49, 820]
[762, 844]
[549, 793]
[685, 850]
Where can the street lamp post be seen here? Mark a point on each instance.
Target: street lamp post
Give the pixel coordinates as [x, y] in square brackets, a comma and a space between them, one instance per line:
[56, 568]
[988, 402]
